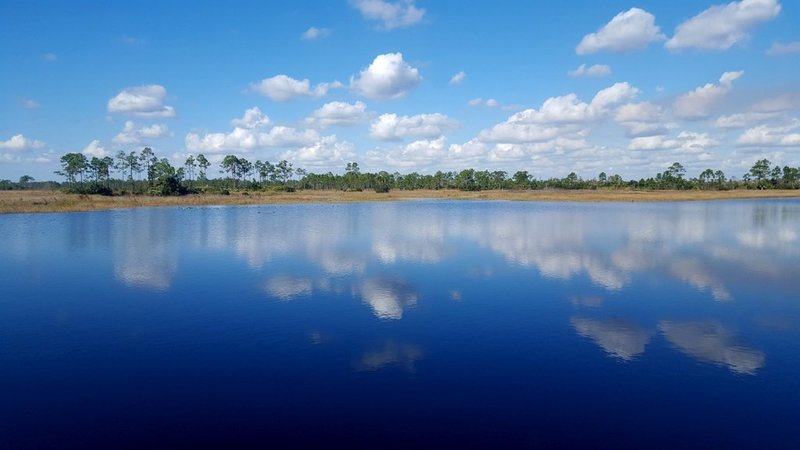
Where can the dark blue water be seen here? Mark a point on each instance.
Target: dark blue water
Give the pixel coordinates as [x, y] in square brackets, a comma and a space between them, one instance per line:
[421, 324]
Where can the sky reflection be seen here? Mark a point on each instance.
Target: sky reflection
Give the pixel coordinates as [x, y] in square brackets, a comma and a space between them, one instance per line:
[394, 258]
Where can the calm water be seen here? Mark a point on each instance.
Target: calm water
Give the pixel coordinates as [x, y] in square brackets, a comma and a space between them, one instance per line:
[412, 324]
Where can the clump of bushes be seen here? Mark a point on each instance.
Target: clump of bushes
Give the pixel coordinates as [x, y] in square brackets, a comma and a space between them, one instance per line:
[89, 189]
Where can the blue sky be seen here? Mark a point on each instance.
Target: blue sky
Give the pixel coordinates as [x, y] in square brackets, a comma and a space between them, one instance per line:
[621, 87]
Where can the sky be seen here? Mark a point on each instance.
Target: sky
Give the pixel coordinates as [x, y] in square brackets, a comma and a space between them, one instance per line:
[622, 87]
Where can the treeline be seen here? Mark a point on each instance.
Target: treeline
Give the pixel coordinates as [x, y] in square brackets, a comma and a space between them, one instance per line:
[145, 173]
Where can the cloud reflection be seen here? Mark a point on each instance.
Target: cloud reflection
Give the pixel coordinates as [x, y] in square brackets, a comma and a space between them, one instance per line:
[619, 338]
[287, 287]
[390, 354]
[711, 342]
[145, 254]
[388, 297]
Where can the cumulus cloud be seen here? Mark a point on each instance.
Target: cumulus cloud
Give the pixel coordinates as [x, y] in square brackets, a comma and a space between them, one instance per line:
[631, 30]
[95, 149]
[132, 135]
[328, 152]
[252, 131]
[387, 77]
[314, 33]
[246, 139]
[142, 101]
[19, 143]
[550, 119]
[769, 136]
[391, 15]
[722, 26]
[699, 103]
[641, 119]
[391, 127]
[338, 114]
[428, 152]
[687, 142]
[789, 48]
[252, 118]
[281, 88]
[597, 70]
[458, 78]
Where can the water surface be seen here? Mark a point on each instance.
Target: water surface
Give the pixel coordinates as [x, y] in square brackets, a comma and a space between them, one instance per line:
[405, 324]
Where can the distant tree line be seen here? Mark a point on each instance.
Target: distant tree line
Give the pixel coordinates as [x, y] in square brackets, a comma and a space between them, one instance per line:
[144, 173]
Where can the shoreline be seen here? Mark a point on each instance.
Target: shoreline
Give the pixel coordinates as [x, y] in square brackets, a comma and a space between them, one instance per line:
[33, 201]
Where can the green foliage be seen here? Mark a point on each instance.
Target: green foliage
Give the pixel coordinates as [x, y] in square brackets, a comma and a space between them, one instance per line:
[91, 188]
[165, 180]
[73, 166]
[95, 177]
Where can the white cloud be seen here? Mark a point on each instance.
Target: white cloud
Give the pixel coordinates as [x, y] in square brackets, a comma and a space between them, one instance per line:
[569, 109]
[489, 102]
[612, 95]
[19, 143]
[253, 118]
[50, 57]
[434, 153]
[328, 152]
[642, 119]
[789, 48]
[391, 127]
[95, 149]
[245, 140]
[699, 103]
[315, 33]
[132, 135]
[281, 88]
[251, 132]
[781, 102]
[597, 70]
[142, 101]
[722, 26]
[458, 78]
[767, 136]
[638, 112]
[387, 77]
[559, 125]
[338, 114]
[743, 120]
[631, 30]
[687, 142]
[392, 15]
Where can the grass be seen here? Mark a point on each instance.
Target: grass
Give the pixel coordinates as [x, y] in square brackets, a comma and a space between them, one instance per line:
[55, 201]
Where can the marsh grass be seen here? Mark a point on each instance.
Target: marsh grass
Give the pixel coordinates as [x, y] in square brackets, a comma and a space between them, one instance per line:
[33, 201]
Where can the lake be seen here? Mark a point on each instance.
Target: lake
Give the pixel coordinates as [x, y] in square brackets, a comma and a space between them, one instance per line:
[416, 324]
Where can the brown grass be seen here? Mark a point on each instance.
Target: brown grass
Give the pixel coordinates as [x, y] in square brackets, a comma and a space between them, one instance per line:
[54, 201]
